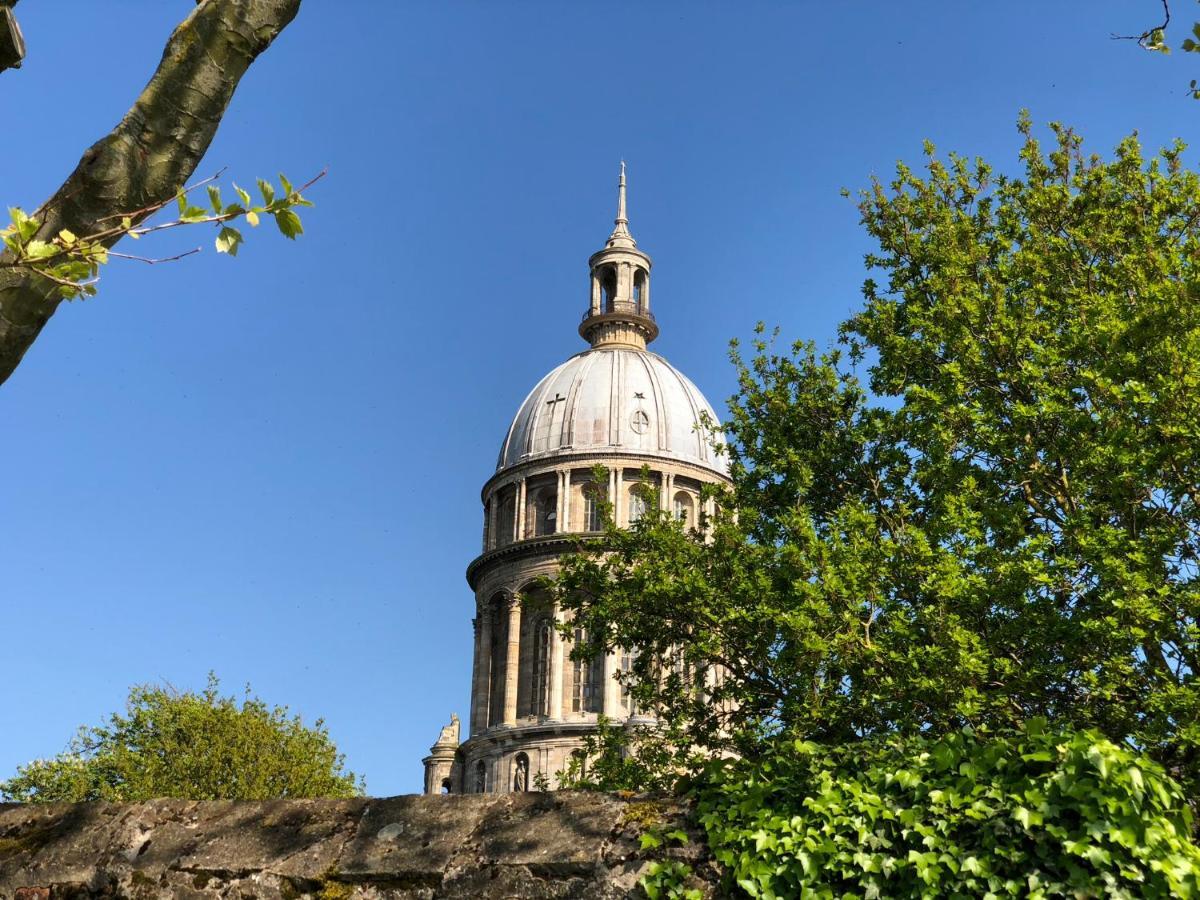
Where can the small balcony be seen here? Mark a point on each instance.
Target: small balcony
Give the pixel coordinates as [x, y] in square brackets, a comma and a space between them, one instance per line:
[620, 308]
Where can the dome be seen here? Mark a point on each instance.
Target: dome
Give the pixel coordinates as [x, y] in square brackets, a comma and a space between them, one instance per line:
[615, 400]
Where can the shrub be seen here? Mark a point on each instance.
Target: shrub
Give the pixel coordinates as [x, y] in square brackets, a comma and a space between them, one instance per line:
[1029, 814]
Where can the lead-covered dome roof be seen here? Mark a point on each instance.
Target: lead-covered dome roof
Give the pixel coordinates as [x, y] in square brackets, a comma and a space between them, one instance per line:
[613, 399]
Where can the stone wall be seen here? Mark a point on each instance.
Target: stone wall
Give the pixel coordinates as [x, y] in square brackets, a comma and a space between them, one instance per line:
[562, 844]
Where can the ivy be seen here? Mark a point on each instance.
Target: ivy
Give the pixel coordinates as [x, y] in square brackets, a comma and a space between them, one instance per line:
[1033, 813]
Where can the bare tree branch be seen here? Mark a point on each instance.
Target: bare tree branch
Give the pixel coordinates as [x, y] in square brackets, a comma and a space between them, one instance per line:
[1144, 38]
[152, 152]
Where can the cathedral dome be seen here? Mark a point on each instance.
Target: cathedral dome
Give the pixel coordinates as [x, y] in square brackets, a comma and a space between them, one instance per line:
[613, 399]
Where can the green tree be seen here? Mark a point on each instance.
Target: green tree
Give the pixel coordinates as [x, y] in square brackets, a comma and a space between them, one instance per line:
[196, 746]
[1002, 522]
[144, 163]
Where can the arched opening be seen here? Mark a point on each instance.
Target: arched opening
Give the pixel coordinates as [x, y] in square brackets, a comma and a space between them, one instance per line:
[586, 683]
[685, 508]
[638, 502]
[593, 507]
[608, 287]
[533, 673]
[445, 785]
[507, 518]
[497, 610]
[540, 699]
[639, 289]
[627, 699]
[480, 785]
[521, 774]
[545, 512]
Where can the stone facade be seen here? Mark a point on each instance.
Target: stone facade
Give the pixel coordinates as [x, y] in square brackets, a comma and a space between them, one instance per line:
[615, 405]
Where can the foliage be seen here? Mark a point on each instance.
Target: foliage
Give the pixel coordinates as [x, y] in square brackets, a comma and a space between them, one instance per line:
[196, 746]
[1002, 523]
[73, 262]
[630, 757]
[668, 879]
[1030, 814]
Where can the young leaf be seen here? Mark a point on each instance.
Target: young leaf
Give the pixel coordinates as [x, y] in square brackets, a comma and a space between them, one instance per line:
[289, 223]
[228, 241]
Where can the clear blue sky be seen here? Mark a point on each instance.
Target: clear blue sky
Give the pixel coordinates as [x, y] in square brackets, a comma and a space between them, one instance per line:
[270, 466]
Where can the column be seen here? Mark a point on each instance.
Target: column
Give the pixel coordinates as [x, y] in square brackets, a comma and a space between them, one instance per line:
[559, 527]
[492, 537]
[483, 671]
[520, 510]
[566, 501]
[614, 493]
[556, 669]
[595, 295]
[666, 491]
[612, 690]
[512, 659]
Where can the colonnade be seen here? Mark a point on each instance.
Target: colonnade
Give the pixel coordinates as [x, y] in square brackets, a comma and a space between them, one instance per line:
[499, 533]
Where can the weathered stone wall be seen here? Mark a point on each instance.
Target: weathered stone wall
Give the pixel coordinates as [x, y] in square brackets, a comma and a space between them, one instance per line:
[562, 844]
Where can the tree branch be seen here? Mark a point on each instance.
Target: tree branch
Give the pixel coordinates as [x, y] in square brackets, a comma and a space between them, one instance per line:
[152, 152]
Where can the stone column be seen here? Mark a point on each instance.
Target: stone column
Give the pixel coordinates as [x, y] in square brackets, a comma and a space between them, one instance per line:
[558, 503]
[614, 492]
[520, 510]
[481, 691]
[512, 659]
[492, 537]
[595, 295]
[566, 502]
[665, 492]
[612, 690]
[646, 293]
[555, 710]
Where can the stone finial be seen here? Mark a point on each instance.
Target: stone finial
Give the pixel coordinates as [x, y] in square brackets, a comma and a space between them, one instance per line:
[620, 236]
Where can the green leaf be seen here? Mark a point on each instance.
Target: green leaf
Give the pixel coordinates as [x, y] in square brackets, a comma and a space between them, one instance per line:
[228, 240]
[214, 198]
[289, 223]
[267, 191]
[243, 196]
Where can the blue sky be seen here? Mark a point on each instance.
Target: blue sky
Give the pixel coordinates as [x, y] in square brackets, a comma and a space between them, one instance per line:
[270, 466]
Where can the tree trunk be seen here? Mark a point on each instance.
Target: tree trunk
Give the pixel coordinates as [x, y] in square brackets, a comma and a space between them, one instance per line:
[150, 155]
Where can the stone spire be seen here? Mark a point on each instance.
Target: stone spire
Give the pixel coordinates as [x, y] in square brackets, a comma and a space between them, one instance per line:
[619, 314]
[620, 236]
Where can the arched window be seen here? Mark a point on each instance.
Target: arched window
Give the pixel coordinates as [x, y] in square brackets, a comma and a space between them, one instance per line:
[445, 785]
[639, 288]
[627, 658]
[684, 508]
[608, 287]
[587, 679]
[480, 778]
[506, 522]
[521, 774]
[637, 502]
[545, 511]
[541, 668]
[593, 514]
[498, 611]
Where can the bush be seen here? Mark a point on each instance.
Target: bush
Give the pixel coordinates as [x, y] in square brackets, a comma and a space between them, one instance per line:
[1029, 814]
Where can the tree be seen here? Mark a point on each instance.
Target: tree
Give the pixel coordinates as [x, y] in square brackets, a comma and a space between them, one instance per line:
[1003, 522]
[196, 746]
[147, 159]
